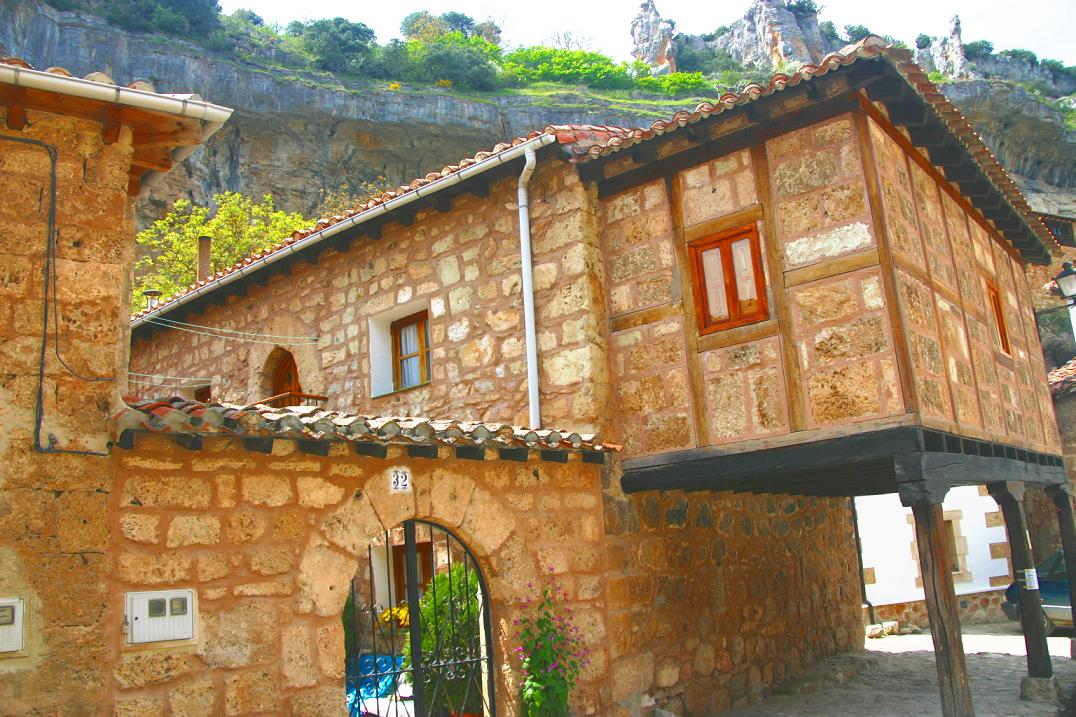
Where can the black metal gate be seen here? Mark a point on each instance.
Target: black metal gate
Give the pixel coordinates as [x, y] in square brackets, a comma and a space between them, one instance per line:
[417, 628]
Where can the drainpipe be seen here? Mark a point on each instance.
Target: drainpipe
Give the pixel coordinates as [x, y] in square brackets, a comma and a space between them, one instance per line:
[526, 269]
[859, 562]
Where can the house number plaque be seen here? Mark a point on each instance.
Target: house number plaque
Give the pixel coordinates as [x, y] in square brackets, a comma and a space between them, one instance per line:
[400, 480]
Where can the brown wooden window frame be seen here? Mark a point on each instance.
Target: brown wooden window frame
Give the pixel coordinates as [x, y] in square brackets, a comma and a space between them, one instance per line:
[997, 308]
[423, 353]
[724, 241]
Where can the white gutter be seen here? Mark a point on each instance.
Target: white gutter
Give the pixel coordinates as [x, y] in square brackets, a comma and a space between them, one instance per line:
[212, 116]
[426, 190]
[528, 290]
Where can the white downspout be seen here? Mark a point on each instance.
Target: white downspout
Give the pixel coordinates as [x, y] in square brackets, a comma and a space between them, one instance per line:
[526, 269]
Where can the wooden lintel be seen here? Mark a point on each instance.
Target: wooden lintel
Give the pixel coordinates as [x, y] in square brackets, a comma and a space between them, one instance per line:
[833, 267]
[739, 218]
[757, 112]
[16, 108]
[159, 160]
[701, 131]
[112, 124]
[738, 335]
[645, 316]
[645, 152]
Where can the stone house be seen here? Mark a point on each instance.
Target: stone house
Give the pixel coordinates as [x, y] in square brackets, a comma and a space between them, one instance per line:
[798, 294]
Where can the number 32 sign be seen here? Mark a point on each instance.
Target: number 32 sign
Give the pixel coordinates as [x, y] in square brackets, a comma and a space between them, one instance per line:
[400, 480]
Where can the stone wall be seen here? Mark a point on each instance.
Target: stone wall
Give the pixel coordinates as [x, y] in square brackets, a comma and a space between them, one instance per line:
[943, 257]
[974, 608]
[270, 542]
[700, 619]
[53, 506]
[463, 266]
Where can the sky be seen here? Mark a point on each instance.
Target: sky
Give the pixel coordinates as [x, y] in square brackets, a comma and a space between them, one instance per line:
[1042, 26]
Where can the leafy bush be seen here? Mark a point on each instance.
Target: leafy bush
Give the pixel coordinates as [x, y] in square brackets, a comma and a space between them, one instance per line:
[855, 33]
[922, 41]
[195, 19]
[465, 62]
[1058, 69]
[1026, 55]
[575, 67]
[676, 84]
[802, 8]
[829, 32]
[336, 45]
[553, 654]
[978, 50]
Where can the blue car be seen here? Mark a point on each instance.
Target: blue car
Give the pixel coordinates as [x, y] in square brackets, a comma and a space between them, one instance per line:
[1054, 589]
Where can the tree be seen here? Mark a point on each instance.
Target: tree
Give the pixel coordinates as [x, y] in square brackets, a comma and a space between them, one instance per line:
[338, 45]
[1026, 55]
[423, 26]
[922, 41]
[458, 22]
[804, 8]
[829, 32]
[489, 31]
[978, 50]
[168, 250]
[855, 33]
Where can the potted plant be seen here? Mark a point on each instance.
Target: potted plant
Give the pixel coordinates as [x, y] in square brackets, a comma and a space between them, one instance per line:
[552, 651]
[450, 619]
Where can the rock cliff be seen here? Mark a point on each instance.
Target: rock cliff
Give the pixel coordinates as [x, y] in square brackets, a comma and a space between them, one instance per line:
[296, 132]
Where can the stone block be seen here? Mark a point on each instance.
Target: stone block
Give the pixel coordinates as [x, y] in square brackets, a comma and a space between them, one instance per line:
[487, 522]
[391, 508]
[632, 674]
[728, 406]
[211, 567]
[193, 699]
[144, 669]
[272, 561]
[330, 641]
[297, 660]
[243, 636]
[654, 354]
[320, 702]
[82, 521]
[450, 496]
[154, 568]
[166, 492]
[138, 707]
[862, 337]
[829, 243]
[317, 493]
[245, 525]
[193, 530]
[267, 490]
[844, 393]
[824, 302]
[263, 589]
[323, 580]
[140, 528]
[352, 525]
[251, 692]
[805, 173]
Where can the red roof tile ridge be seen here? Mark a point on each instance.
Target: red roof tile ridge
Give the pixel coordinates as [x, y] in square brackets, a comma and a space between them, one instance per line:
[176, 415]
[97, 76]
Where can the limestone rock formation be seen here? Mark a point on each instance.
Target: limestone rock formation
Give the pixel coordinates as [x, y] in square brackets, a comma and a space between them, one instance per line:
[653, 39]
[770, 36]
[946, 54]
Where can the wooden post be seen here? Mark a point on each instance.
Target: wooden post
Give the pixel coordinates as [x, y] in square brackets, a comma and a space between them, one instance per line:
[935, 563]
[1010, 497]
[1062, 497]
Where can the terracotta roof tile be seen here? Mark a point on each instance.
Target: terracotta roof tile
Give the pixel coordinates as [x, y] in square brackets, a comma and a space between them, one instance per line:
[101, 77]
[1063, 380]
[178, 416]
[587, 142]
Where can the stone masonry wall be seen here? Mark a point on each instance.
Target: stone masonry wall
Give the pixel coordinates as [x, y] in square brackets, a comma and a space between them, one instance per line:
[53, 506]
[974, 608]
[700, 618]
[269, 543]
[943, 257]
[464, 266]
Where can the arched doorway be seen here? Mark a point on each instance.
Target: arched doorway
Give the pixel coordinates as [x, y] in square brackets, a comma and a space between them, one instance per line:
[417, 628]
[286, 384]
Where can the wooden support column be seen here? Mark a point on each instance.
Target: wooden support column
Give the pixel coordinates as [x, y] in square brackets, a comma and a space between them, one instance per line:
[1010, 498]
[925, 500]
[1062, 497]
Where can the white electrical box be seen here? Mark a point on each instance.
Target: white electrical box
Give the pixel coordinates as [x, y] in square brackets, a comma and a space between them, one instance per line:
[12, 618]
[160, 615]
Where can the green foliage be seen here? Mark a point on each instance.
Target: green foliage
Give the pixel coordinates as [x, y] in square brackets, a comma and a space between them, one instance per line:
[829, 32]
[855, 33]
[803, 8]
[676, 84]
[937, 77]
[451, 605]
[573, 67]
[187, 18]
[168, 249]
[1026, 55]
[1058, 69]
[553, 654]
[978, 50]
[922, 41]
[336, 45]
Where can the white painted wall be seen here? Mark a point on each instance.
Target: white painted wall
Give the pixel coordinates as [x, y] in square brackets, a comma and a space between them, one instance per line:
[887, 537]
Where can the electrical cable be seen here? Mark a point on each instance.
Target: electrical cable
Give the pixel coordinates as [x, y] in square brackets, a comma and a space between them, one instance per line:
[49, 296]
[169, 385]
[159, 319]
[232, 338]
[163, 377]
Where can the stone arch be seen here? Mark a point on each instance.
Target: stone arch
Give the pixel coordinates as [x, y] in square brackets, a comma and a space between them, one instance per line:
[266, 358]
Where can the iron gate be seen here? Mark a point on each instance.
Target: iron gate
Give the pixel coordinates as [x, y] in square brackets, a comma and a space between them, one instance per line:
[417, 628]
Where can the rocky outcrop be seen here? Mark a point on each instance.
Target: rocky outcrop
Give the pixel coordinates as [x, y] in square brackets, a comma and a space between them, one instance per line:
[294, 132]
[945, 54]
[653, 38]
[771, 36]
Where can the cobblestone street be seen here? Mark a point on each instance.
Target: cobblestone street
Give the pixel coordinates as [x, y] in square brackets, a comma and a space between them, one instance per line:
[896, 676]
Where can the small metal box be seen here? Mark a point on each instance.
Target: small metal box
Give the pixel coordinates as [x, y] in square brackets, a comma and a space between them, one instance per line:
[160, 615]
[12, 618]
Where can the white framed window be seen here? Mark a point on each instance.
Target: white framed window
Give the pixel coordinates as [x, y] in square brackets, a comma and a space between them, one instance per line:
[399, 348]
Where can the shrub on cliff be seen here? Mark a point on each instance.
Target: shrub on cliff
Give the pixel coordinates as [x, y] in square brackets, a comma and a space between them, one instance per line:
[570, 67]
[978, 50]
[336, 45]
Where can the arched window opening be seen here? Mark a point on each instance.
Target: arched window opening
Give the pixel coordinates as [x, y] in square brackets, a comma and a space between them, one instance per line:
[281, 380]
[417, 628]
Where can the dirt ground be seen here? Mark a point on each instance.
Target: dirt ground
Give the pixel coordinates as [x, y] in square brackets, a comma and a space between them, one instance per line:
[895, 677]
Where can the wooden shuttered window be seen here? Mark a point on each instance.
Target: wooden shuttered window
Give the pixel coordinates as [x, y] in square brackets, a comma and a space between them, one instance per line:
[1001, 331]
[728, 280]
[410, 351]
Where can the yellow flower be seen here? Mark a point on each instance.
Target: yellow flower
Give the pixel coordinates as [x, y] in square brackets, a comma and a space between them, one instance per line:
[394, 85]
